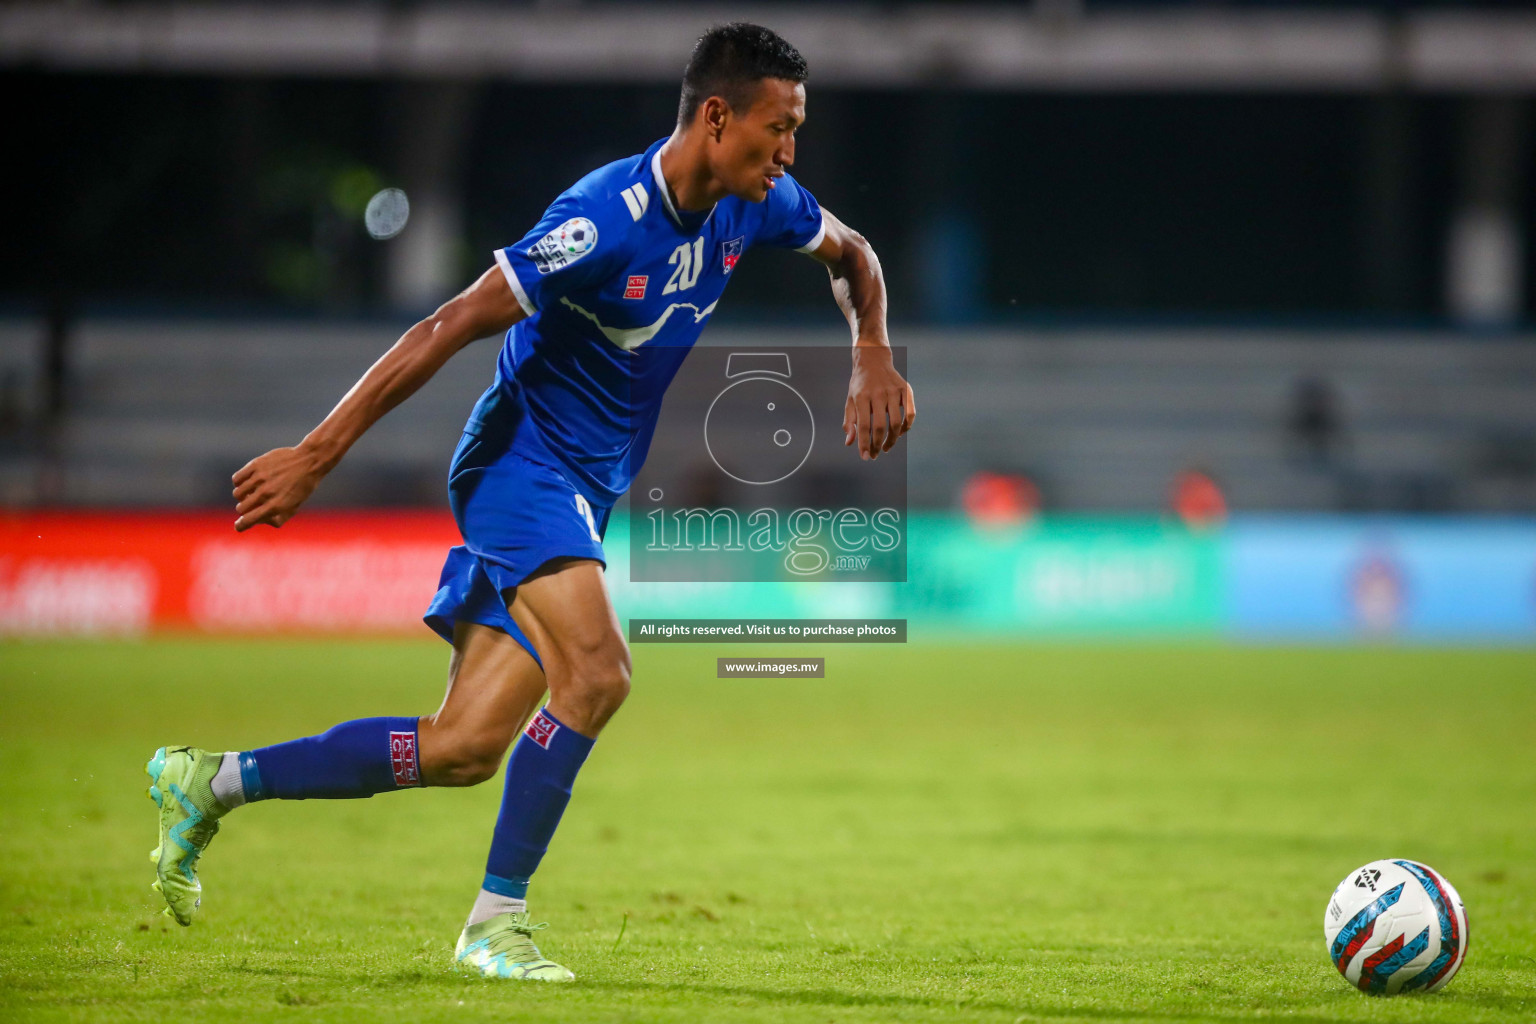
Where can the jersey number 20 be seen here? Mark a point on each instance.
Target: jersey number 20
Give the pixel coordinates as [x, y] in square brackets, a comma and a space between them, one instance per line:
[689, 263]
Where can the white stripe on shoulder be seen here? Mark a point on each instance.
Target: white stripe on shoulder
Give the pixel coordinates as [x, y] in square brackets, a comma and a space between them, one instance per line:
[632, 338]
[815, 242]
[635, 209]
[517, 286]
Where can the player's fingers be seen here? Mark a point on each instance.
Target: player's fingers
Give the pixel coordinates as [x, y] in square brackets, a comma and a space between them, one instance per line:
[262, 511]
[911, 409]
[245, 520]
[849, 422]
[880, 428]
[862, 420]
[254, 504]
[247, 488]
[899, 413]
[243, 473]
[258, 494]
[894, 418]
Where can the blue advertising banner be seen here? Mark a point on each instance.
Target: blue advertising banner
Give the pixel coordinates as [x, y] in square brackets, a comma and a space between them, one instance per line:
[1259, 578]
[1448, 579]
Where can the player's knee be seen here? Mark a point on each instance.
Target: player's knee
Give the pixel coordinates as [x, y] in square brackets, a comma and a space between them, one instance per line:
[599, 683]
[605, 686]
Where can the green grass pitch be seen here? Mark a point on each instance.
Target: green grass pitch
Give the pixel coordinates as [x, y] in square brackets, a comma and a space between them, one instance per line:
[932, 833]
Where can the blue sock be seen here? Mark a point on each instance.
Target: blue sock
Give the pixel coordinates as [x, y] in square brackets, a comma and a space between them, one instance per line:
[354, 759]
[540, 772]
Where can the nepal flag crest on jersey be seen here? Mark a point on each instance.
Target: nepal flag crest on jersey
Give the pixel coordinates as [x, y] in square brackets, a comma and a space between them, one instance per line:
[730, 252]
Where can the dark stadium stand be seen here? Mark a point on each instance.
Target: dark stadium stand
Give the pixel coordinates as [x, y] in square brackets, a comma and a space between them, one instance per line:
[161, 414]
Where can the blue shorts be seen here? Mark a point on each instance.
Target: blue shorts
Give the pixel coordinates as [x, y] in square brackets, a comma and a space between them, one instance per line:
[514, 515]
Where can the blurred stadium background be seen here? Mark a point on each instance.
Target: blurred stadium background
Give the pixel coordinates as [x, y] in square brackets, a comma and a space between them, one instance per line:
[1218, 314]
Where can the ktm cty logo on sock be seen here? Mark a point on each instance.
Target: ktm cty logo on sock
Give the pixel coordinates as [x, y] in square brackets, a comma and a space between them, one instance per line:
[542, 729]
[402, 757]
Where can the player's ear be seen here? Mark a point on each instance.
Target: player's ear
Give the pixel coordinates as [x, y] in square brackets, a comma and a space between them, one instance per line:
[714, 113]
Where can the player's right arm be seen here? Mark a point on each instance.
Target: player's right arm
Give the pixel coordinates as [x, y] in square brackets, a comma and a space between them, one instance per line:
[270, 488]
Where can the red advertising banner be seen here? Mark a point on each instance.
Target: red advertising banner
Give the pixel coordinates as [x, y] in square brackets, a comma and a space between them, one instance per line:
[131, 572]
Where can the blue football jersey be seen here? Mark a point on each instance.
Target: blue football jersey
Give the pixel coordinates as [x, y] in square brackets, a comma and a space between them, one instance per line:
[618, 284]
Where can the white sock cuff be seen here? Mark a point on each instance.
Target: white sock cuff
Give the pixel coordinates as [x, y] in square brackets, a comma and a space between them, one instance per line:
[228, 789]
[490, 904]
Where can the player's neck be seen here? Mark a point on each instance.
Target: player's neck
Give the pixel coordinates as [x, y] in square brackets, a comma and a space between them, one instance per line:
[685, 166]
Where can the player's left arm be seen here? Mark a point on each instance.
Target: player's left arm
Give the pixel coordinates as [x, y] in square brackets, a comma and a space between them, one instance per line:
[271, 487]
[880, 406]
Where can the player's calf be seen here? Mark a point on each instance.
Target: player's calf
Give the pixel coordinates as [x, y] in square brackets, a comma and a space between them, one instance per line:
[460, 754]
[497, 940]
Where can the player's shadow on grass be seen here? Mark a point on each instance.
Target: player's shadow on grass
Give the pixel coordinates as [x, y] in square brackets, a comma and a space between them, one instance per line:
[438, 973]
[833, 997]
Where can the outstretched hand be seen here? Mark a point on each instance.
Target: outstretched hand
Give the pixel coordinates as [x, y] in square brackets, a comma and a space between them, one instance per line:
[880, 406]
[270, 488]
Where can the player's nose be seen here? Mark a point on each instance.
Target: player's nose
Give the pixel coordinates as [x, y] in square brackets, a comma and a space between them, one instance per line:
[785, 154]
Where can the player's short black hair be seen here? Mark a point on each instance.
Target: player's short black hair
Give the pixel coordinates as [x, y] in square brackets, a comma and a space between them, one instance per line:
[729, 60]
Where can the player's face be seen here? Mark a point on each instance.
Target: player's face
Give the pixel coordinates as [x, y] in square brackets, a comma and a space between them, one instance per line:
[757, 146]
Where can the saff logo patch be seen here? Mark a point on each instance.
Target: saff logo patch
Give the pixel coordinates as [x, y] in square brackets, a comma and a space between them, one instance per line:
[730, 252]
[563, 246]
[542, 729]
[635, 289]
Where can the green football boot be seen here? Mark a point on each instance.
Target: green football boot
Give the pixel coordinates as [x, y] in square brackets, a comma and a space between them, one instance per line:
[189, 819]
[503, 948]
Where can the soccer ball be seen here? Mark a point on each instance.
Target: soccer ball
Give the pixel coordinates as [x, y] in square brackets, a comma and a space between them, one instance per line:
[1394, 926]
[577, 236]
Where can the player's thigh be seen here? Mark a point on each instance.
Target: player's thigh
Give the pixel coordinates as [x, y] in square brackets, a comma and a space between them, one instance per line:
[566, 612]
[494, 686]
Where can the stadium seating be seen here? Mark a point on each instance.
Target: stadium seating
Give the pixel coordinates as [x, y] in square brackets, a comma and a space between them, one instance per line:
[160, 413]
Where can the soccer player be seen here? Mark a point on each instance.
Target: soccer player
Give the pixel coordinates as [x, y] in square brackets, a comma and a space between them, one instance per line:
[600, 302]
